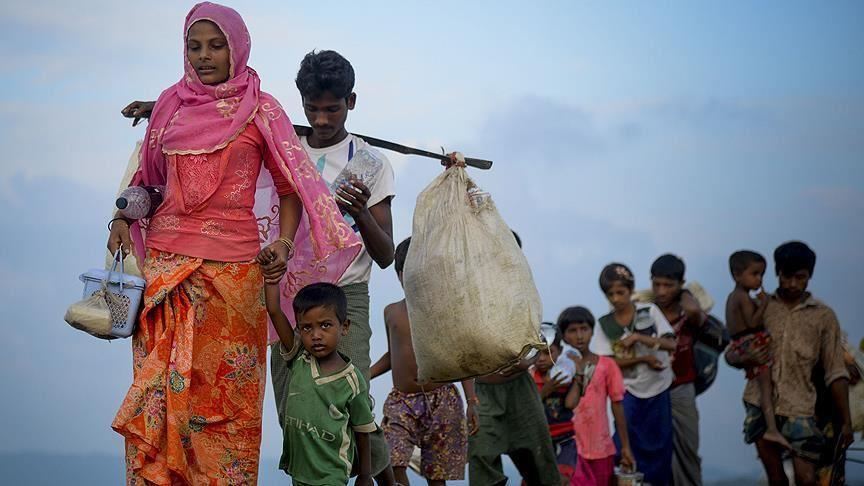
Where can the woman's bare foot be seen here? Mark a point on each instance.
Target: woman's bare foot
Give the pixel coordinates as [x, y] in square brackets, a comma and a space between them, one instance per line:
[777, 438]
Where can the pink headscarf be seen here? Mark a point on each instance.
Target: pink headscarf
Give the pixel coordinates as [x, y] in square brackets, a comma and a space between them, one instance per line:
[194, 118]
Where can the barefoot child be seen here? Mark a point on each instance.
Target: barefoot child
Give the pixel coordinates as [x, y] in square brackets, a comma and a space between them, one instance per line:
[326, 394]
[598, 380]
[640, 340]
[430, 417]
[744, 319]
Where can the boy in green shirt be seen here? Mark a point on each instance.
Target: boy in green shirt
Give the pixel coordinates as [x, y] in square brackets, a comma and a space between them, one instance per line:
[326, 409]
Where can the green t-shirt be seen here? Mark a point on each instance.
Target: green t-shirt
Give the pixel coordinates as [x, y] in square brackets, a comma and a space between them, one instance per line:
[318, 447]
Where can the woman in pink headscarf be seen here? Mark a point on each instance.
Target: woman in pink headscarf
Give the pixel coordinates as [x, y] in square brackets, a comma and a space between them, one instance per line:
[193, 412]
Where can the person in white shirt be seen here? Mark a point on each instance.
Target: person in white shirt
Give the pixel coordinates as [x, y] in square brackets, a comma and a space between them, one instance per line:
[361, 179]
[640, 339]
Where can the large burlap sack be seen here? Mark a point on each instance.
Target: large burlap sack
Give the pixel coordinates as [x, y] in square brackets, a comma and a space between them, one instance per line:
[472, 302]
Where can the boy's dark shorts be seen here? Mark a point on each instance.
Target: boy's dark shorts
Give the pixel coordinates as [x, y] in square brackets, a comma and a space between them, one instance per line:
[803, 434]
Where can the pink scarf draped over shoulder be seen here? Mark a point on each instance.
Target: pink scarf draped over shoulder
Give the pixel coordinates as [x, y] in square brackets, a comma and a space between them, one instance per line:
[193, 118]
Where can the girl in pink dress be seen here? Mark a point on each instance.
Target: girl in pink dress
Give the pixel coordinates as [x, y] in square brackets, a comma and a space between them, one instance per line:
[597, 380]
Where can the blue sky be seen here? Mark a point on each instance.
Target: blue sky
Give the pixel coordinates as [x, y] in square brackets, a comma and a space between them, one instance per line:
[619, 132]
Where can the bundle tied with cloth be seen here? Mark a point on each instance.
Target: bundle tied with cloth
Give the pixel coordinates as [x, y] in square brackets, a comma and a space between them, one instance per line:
[472, 303]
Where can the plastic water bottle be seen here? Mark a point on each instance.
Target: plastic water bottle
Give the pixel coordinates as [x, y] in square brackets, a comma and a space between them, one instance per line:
[138, 202]
[362, 167]
[478, 197]
[564, 366]
[567, 350]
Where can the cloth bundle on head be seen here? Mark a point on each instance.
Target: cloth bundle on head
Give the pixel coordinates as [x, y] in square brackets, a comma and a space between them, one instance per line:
[193, 118]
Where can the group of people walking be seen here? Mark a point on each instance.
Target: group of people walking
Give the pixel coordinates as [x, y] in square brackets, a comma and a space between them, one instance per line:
[259, 222]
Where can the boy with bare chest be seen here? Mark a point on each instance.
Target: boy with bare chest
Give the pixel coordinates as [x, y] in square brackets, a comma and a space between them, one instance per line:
[431, 416]
[744, 319]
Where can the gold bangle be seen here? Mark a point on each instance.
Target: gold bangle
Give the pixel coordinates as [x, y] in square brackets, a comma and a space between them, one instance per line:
[289, 244]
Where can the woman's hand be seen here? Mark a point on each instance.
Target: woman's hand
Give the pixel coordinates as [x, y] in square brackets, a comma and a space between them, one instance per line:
[274, 261]
[119, 236]
[138, 110]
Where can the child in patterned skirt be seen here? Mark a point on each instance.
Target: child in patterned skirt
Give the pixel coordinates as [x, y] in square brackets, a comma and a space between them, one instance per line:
[430, 417]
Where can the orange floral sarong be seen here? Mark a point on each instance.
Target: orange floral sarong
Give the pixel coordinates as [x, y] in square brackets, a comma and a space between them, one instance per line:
[193, 412]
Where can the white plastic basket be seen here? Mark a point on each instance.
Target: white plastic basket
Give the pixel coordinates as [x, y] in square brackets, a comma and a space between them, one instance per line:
[129, 288]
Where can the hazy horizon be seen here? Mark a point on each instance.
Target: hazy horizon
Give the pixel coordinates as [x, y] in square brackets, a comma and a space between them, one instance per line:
[619, 132]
